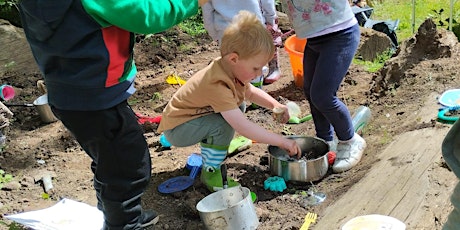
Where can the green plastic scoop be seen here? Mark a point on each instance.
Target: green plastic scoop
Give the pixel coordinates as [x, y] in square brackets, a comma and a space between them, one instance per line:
[294, 112]
[296, 120]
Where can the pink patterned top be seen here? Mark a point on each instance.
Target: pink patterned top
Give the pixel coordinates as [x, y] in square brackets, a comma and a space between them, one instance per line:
[312, 18]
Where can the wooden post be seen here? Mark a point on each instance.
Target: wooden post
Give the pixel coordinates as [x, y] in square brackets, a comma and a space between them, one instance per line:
[413, 16]
[451, 14]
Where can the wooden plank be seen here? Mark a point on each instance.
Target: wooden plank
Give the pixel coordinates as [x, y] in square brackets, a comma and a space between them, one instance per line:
[399, 185]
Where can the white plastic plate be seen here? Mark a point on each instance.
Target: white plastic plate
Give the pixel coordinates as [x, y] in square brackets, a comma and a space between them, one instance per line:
[450, 98]
[374, 222]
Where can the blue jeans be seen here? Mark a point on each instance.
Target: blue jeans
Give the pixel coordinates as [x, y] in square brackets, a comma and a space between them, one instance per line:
[325, 63]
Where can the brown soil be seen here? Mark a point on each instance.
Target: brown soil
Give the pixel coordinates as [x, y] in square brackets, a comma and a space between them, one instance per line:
[425, 64]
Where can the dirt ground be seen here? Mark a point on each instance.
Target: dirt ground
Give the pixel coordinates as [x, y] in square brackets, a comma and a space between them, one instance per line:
[425, 64]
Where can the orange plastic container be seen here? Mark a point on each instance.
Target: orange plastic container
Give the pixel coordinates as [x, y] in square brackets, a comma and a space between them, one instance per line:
[295, 47]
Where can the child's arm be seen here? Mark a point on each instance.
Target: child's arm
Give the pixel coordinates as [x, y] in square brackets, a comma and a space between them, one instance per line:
[208, 20]
[268, 11]
[243, 126]
[141, 16]
[260, 97]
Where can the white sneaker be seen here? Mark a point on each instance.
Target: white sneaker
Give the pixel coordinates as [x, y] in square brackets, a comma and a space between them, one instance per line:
[349, 153]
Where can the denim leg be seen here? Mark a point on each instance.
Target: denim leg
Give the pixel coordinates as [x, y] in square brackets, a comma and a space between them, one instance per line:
[121, 160]
[326, 62]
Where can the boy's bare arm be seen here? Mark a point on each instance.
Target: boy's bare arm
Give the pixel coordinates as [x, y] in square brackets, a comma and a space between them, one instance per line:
[260, 97]
[243, 126]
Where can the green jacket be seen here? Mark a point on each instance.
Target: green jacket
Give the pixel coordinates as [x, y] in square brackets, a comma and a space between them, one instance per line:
[84, 48]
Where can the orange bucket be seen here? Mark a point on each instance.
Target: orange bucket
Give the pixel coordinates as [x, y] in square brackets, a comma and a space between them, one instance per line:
[295, 47]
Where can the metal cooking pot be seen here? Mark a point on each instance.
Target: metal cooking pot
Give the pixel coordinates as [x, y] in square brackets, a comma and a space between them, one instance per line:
[312, 166]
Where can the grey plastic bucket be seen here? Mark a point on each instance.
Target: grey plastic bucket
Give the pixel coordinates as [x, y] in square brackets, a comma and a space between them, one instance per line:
[228, 209]
[44, 110]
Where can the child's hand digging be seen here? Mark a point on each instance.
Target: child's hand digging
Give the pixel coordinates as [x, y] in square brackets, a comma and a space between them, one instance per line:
[292, 148]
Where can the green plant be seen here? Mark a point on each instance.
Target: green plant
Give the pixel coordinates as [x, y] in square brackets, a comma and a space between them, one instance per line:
[9, 65]
[7, 4]
[185, 47]
[193, 25]
[444, 21]
[4, 178]
[438, 17]
[45, 196]
[13, 226]
[9, 11]
[133, 101]
[156, 96]
[377, 64]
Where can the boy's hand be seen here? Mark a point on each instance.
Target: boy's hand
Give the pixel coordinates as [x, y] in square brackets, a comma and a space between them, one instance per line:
[276, 34]
[293, 148]
[281, 114]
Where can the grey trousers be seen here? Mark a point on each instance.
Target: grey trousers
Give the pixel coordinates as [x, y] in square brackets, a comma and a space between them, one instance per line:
[211, 129]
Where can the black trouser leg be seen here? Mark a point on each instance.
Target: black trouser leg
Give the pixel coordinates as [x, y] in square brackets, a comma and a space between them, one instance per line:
[121, 160]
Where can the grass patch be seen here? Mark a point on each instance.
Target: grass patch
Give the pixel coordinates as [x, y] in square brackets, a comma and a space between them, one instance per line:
[193, 25]
[5, 178]
[439, 10]
[377, 64]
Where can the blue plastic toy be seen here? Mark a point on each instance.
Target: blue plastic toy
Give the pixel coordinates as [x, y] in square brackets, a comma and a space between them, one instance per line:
[164, 142]
[449, 119]
[275, 184]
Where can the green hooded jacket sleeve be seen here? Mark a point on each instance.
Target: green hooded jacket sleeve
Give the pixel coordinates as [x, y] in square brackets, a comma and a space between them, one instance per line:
[140, 16]
[451, 154]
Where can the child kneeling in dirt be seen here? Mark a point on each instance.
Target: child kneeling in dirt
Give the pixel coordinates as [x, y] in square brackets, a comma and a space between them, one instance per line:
[207, 109]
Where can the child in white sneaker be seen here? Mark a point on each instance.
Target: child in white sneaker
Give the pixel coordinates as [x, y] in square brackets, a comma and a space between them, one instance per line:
[333, 35]
[218, 14]
[206, 110]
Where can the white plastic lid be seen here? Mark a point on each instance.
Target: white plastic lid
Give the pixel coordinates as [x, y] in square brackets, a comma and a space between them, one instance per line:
[42, 100]
[374, 222]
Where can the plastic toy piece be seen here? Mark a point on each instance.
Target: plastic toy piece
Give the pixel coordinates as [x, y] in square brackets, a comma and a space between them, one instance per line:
[296, 120]
[275, 184]
[175, 80]
[164, 142]
[450, 98]
[181, 183]
[331, 155]
[239, 144]
[141, 119]
[449, 119]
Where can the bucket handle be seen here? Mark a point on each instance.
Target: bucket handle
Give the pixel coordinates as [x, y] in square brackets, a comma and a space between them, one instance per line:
[223, 171]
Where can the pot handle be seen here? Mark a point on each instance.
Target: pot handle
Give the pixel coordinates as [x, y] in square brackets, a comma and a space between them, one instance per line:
[223, 171]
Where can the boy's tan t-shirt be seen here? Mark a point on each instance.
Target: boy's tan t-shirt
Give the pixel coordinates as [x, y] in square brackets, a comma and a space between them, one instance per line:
[209, 91]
